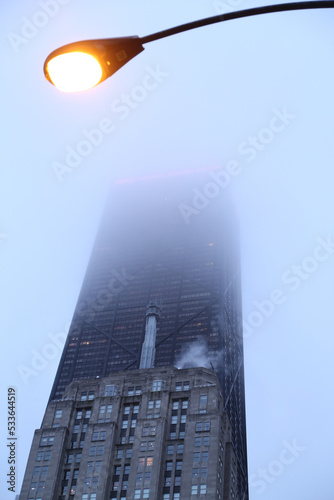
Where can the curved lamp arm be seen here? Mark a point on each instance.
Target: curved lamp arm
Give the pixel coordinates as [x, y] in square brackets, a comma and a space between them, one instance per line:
[82, 65]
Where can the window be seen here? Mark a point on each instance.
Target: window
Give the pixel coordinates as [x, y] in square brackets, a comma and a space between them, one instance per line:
[194, 489]
[202, 489]
[110, 390]
[58, 413]
[170, 449]
[44, 470]
[179, 465]
[138, 390]
[169, 465]
[128, 453]
[41, 485]
[149, 430]
[184, 404]
[47, 440]
[79, 414]
[157, 385]
[131, 391]
[141, 463]
[90, 395]
[206, 441]
[197, 441]
[98, 466]
[78, 458]
[88, 413]
[185, 386]
[203, 426]
[83, 396]
[204, 472]
[180, 448]
[203, 401]
[205, 455]
[196, 472]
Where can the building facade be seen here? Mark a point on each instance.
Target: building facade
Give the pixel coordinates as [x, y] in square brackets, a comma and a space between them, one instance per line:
[158, 434]
[171, 245]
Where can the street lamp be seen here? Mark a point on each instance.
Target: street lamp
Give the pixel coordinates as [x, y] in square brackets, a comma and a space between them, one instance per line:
[82, 65]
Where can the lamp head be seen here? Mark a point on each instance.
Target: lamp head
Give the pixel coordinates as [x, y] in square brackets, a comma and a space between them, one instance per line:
[82, 65]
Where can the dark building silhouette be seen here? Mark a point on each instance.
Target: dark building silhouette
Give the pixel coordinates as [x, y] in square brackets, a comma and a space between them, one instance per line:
[169, 244]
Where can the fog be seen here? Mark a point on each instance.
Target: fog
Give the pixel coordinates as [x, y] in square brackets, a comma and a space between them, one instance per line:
[249, 103]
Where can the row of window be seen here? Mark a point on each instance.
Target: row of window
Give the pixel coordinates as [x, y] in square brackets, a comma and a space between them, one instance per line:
[111, 390]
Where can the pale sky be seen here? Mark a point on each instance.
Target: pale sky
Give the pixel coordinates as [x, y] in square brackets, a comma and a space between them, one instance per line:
[253, 97]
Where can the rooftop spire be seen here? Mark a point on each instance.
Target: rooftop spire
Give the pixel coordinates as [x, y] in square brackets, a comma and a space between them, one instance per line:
[148, 349]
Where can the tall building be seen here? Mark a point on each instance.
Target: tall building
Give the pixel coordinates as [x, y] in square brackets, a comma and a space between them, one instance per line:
[162, 286]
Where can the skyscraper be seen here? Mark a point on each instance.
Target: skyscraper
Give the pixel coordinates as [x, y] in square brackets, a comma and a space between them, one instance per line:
[171, 246]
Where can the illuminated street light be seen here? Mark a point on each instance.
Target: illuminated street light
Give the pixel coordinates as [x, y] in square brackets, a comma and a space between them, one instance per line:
[82, 65]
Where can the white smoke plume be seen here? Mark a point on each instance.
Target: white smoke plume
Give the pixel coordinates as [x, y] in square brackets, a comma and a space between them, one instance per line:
[194, 355]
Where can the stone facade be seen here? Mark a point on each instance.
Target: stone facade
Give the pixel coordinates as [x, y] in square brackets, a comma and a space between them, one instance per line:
[157, 433]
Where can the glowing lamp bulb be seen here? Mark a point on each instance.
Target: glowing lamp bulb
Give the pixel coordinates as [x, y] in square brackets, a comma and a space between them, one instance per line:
[74, 71]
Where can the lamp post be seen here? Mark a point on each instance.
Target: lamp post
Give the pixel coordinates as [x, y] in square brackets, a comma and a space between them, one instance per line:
[82, 65]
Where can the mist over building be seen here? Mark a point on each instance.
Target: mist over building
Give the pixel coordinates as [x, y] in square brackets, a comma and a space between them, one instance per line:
[161, 290]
